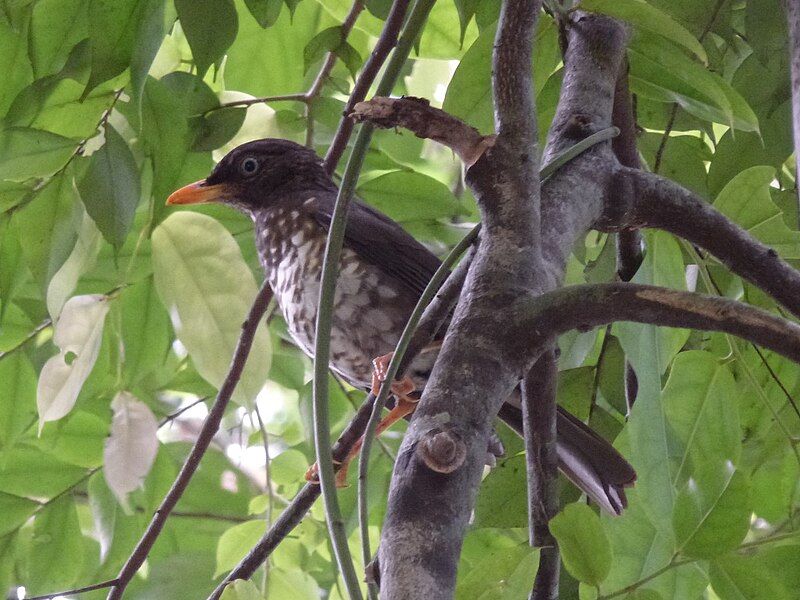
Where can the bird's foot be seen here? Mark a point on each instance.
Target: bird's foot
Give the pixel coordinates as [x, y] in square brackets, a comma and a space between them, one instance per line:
[401, 388]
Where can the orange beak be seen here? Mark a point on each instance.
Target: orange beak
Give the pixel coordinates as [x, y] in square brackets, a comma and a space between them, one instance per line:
[198, 192]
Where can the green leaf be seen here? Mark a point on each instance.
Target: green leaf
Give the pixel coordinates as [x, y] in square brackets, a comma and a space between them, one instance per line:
[16, 511]
[56, 27]
[282, 44]
[207, 289]
[583, 543]
[17, 71]
[210, 27]
[112, 37]
[650, 351]
[408, 196]
[712, 513]
[698, 407]
[146, 331]
[26, 153]
[648, 18]
[110, 188]
[217, 128]
[47, 228]
[265, 12]
[116, 531]
[502, 501]
[746, 200]
[735, 577]
[77, 439]
[149, 36]
[495, 564]
[327, 40]
[56, 555]
[236, 542]
[17, 398]
[242, 589]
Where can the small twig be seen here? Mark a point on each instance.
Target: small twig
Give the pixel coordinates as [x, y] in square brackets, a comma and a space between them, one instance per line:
[39, 328]
[202, 443]
[384, 45]
[82, 590]
[308, 97]
[179, 412]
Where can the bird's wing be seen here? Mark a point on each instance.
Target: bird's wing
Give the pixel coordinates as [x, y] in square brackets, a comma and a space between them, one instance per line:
[382, 242]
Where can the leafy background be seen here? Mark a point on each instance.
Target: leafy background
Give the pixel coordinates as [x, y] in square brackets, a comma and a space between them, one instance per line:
[108, 106]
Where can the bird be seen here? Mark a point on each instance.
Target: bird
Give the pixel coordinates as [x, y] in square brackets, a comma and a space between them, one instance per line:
[285, 189]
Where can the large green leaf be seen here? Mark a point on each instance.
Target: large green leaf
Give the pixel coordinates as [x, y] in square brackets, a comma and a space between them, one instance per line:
[17, 398]
[48, 228]
[712, 512]
[110, 188]
[502, 501]
[56, 555]
[236, 542]
[207, 289]
[409, 196]
[56, 26]
[495, 564]
[210, 26]
[16, 511]
[17, 71]
[650, 350]
[698, 403]
[746, 200]
[648, 18]
[26, 153]
[584, 546]
[736, 577]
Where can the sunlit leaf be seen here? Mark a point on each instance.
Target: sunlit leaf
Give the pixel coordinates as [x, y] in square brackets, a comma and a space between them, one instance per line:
[78, 333]
[208, 289]
[236, 542]
[132, 446]
[26, 153]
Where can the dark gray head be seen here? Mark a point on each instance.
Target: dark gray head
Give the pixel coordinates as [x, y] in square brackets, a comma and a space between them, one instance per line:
[260, 175]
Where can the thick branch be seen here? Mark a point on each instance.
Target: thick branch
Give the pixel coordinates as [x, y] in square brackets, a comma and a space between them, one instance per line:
[653, 201]
[204, 438]
[793, 21]
[387, 41]
[583, 307]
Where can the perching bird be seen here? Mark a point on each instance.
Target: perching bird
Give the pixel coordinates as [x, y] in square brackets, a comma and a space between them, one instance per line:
[284, 188]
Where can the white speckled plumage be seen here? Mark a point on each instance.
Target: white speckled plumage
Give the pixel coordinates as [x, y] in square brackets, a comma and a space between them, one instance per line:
[292, 261]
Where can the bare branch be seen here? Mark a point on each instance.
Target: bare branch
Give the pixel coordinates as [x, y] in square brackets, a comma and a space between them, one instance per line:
[583, 307]
[206, 435]
[793, 21]
[425, 121]
[649, 200]
[384, 45]
[76, 591]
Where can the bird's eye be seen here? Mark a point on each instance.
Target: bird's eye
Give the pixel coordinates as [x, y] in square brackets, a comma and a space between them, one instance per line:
[249, 166]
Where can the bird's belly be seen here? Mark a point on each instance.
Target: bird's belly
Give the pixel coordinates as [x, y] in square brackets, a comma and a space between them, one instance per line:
[367, 318]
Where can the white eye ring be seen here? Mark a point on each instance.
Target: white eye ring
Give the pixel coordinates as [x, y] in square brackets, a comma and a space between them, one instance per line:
[249, 166]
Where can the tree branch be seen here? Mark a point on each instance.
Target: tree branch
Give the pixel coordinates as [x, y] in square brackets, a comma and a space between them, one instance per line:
[793, 22]
[648, 200]
[206, 435]
[584, 307]
[384, 45]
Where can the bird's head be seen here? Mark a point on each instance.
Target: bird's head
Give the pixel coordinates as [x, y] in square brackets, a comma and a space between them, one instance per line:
[259, 175]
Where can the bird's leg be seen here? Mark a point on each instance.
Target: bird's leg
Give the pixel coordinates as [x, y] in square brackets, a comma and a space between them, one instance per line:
[404, 405]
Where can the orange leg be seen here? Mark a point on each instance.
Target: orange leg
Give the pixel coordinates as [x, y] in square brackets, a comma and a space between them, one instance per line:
[404, 406]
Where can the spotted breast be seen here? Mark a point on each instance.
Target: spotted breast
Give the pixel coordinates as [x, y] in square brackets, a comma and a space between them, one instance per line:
[368, 313]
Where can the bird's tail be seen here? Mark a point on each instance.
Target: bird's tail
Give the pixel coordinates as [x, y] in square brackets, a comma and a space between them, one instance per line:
[586, 459]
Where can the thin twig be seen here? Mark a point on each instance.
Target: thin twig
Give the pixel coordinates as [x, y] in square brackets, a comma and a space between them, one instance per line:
[202, 443]
[40, 327]
[81, 590]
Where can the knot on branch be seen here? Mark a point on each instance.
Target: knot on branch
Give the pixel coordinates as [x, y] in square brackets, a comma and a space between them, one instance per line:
[425, 121]
[442, 451]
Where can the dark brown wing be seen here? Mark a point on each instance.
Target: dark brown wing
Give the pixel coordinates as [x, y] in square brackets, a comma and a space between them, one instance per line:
[382, 242]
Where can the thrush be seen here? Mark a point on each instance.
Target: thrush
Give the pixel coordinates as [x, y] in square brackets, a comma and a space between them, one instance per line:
[383, 270]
